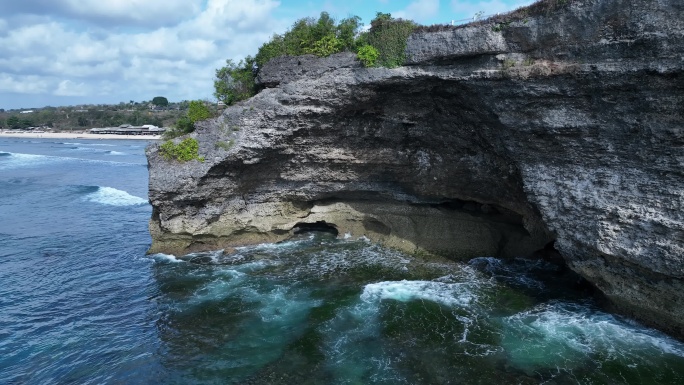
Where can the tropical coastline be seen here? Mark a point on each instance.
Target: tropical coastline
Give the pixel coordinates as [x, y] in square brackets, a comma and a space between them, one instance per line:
[69, 135]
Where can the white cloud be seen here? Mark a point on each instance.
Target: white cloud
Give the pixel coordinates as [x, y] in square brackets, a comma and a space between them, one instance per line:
[69, 88]
[150, 13]
[137, 11]
[58, 56]
[419, 10]
[23, 84]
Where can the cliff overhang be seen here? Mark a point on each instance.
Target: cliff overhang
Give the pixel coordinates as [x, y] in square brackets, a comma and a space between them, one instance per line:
[494, 139]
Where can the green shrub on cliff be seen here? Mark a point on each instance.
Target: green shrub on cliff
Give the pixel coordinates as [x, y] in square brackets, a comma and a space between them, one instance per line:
[184, 151]
[368, 55]
[322, 37]
[197, 110]
[388, 36]
[325, 47]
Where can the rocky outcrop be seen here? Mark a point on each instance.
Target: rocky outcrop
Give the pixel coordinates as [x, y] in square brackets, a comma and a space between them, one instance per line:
[494, 139]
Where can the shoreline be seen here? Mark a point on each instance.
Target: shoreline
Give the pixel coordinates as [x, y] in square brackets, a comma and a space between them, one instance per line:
[66, 135]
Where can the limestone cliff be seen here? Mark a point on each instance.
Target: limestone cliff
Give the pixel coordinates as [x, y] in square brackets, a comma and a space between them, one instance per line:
[495, 139]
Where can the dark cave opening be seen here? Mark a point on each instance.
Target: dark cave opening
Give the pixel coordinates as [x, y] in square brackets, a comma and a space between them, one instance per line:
[319, 226]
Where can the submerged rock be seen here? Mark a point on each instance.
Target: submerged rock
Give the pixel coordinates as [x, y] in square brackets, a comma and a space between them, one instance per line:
[494, 139]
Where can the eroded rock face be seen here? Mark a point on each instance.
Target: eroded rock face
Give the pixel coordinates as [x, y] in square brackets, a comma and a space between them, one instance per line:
[493, 140]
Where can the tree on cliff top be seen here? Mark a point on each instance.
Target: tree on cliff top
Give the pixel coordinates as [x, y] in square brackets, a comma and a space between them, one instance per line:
[235, 82]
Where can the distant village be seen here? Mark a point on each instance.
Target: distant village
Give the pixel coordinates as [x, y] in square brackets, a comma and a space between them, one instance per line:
[127, 129]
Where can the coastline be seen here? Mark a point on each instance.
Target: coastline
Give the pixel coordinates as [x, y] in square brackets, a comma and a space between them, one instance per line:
[65, 135]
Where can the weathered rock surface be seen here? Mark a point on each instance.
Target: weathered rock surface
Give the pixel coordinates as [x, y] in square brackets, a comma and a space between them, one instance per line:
[493, 140]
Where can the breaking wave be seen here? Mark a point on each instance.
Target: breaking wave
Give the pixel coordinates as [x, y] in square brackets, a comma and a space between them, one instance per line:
[12, 160]
[114, 197]
[15, 160]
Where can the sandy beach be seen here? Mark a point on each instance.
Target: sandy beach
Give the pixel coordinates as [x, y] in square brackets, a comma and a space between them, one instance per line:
[64, 135]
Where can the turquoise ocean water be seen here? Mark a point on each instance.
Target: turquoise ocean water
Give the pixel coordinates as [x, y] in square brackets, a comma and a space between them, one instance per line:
[81, 303]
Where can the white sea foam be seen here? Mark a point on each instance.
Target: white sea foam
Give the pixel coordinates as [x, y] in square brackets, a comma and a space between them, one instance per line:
[450, 294]
[219, 288]
[113, 197]
[204, 257]
[116, 153]
[167, 258]
[280, 304]
[565, 335]
[271, 246]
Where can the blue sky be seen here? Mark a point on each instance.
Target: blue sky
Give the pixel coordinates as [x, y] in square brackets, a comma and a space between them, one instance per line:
[67, 52]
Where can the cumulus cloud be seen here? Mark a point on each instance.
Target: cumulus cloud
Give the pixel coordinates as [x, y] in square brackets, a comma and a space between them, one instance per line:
[111, 12]
[22, 84]
[63, 50]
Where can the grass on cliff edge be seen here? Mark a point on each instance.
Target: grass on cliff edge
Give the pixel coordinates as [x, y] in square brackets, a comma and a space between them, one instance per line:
[184, 151]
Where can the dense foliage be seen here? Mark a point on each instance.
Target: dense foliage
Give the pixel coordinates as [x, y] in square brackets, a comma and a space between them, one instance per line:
[322, 37]
[185, 151]
[383, 45]
[197, 110]
[368, 55]
[388, 36]
[235, 82]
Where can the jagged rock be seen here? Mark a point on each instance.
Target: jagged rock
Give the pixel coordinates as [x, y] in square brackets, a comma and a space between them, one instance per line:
[495, 140]
[289, 68]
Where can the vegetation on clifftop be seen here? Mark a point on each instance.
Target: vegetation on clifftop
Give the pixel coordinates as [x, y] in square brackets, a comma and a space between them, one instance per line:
[382, 45]
[184, 151]
[197, 110]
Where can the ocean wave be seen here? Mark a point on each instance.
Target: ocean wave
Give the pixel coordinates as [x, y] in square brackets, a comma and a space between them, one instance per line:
[114, 197]
[95, 150]
[16, 160]
[11, 160]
